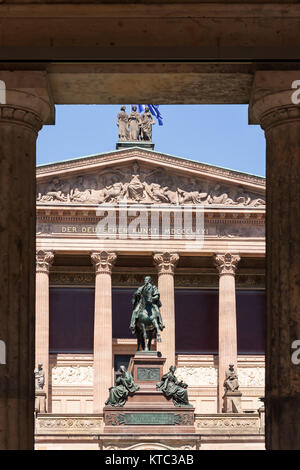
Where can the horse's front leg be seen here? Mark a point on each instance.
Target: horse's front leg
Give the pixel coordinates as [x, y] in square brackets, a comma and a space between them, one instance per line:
[145, 338]
[138, 342]
[157, 330]
[150, 335]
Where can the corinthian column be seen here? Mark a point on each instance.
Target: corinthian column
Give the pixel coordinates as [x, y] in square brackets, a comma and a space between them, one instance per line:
[103, 364]
[226, 265]
[166, 263]
[44, 259]
[27, 107]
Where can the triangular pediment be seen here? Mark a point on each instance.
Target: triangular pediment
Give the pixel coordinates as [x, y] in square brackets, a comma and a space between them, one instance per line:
[144, 176]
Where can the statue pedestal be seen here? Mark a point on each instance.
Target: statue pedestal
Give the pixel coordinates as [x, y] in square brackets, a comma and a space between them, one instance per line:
[40, 401]
[148, 410]
[232, 402]
[146, 368]
[139, 143]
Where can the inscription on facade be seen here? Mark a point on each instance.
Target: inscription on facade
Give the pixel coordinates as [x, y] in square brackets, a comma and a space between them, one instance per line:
[134, 419]
[226, 229]
[149, 418]
[167, 419]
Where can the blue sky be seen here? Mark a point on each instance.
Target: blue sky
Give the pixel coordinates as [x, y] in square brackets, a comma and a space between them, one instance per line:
[214, 134]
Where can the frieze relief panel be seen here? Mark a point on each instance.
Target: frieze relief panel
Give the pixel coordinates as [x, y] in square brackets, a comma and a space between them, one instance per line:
[251, 376]
[223, 424]
[198, 376]
[144, 184]
[193, 376]
[69, 425]
[72, 375]
[72, 382]
[208, 376]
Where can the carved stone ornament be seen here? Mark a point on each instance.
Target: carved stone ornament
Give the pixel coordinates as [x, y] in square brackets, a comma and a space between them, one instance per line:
[73, 375]
[215, 424]
[227, 263]
[103, 261]
[252, 376]
[166, 262]
[144, 184]
[44, 259]
[72, 425]
[198, 376]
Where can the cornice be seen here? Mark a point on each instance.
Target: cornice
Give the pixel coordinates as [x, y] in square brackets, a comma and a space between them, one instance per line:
[72, 216]
[86, 163]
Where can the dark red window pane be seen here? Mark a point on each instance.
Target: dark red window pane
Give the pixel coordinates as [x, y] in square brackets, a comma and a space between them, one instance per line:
[251, 312]
[71, 320]
[196, 328]
[121, 312]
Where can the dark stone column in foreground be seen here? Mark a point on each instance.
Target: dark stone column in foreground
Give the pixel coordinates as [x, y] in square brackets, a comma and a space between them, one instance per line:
[21, 118]
[273, 108]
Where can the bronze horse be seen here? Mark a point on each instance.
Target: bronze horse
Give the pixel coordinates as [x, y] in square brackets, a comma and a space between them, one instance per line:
[146, 319]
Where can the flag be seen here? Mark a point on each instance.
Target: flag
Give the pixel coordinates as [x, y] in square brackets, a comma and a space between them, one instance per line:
[153, 108]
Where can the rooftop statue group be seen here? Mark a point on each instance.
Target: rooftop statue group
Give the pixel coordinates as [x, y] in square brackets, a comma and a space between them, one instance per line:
[146, 321]
[135, 126]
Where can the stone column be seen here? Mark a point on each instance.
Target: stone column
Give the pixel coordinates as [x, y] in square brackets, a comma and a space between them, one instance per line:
[44, 259]
[103, 363]
[226, 265]
[166, 263]
[27, 107]
[273, 108]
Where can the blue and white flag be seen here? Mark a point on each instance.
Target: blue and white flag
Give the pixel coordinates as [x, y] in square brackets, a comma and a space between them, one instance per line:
[153, 108]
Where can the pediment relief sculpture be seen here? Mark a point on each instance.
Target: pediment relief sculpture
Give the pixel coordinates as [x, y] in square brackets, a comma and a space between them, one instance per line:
[144, 185]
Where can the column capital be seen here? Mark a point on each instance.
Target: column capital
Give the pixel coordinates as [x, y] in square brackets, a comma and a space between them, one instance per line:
[165, 262]
[226, 263]
[103, 261]
[271, 102]
[21, 116]
[44, 259]
[28, 100]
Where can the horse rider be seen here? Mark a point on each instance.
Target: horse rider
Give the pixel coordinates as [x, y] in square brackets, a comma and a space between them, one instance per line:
[146, 299]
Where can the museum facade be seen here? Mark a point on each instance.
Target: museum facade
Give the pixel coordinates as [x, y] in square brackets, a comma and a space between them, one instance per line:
[106, 221]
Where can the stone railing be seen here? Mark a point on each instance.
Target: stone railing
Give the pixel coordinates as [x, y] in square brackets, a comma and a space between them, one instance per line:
[228, 423]
[66, 424]
[205, 424]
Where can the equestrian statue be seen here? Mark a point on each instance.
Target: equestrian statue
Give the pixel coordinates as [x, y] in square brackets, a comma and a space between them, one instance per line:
[146, 319]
